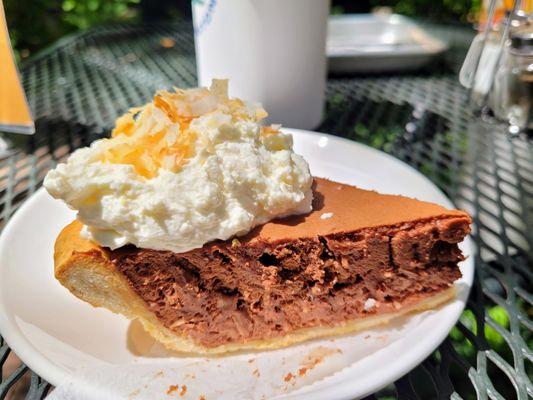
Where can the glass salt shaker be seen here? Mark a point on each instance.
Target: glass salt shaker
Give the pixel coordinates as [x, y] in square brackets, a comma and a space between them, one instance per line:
[513, 86]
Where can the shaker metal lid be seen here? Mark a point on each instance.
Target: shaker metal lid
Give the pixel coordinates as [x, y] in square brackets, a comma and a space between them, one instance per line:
[522, 38]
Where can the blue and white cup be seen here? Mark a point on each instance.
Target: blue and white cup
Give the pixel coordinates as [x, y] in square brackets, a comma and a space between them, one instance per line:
[272, 51]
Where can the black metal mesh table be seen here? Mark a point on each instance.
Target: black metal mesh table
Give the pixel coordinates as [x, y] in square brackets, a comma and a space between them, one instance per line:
[77, 88]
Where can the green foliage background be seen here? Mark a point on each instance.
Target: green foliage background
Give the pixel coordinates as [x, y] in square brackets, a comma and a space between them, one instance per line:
[34, 24]
[445, 10]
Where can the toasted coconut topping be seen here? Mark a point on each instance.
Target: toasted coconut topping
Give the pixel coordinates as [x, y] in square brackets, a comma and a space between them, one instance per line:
[158, 135]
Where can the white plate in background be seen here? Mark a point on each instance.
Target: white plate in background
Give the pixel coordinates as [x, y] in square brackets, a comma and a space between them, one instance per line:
[379, 43]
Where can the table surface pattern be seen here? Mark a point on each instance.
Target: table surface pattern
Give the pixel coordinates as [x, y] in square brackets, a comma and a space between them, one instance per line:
[79, 86]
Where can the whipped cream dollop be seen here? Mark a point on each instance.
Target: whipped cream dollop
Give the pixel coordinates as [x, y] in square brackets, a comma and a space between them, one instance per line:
[189, 167]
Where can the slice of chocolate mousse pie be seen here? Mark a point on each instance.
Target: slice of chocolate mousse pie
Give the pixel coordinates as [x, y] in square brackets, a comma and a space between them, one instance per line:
[204, 224]
[357, 260]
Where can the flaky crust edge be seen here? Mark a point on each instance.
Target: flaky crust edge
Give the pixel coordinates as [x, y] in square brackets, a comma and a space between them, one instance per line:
[85, 269]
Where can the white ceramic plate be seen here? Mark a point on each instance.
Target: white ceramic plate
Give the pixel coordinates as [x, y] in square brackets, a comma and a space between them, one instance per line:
[379, 43]
[55, 334]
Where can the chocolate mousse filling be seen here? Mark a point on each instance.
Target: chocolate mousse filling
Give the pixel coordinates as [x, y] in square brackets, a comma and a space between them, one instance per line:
[263, 286]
